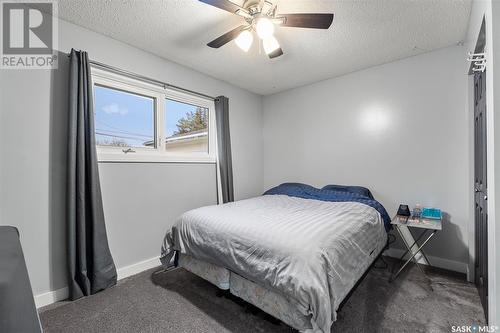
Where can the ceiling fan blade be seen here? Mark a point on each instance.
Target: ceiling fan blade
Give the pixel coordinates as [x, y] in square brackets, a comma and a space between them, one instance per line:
[276, 53]
[315, 21]
[225, 5]
[266, 6]
[227, 37]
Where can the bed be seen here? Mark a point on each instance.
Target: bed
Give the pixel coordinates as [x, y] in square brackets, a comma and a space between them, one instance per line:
[295, 252]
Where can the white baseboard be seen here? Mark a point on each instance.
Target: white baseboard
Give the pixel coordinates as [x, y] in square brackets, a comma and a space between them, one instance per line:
[141, 266]
[124, 272]
[51, 297]
[451, 265]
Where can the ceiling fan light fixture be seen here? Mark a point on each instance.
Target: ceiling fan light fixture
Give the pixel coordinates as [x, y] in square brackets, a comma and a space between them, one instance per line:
[260, 15]
[244, 40]
[270, 45]
[264, 27]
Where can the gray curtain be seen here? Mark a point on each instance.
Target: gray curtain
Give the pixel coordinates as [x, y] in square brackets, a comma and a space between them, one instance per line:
[91, 267]
[224, 147]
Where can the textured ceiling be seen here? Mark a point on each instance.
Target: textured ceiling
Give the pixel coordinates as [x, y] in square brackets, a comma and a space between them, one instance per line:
[363, 34]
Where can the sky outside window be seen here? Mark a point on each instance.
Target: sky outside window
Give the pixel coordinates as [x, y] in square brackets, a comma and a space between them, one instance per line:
[123, 119]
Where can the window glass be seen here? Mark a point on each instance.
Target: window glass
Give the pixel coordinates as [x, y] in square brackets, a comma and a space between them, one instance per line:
[186, 127]
[140, 122]
[123, 119]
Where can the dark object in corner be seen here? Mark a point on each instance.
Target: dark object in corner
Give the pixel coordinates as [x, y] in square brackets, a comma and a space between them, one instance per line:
[17, 306]
[404, 210]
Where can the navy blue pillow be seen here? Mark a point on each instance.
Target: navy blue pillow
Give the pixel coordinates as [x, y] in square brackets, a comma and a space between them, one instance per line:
[352, 189]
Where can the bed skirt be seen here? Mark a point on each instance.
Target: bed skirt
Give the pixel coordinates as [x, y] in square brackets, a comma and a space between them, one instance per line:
[269, 301]
[218, 276]
[265, 299]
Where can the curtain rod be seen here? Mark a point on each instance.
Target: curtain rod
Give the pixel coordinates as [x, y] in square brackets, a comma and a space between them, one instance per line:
[146, 79]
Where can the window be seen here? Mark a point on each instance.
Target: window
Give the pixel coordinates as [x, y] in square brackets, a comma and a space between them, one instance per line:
[136, 121]
[186, 127]
[123, 119]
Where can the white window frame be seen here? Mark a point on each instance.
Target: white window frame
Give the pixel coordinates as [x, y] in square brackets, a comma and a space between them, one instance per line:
[160, 95]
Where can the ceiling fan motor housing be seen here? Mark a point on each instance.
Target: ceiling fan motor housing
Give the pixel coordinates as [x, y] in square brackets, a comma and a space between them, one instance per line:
[255, 7]
[251, 5]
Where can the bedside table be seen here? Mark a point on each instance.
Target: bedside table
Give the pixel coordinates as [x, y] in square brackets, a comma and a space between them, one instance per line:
[429, 228]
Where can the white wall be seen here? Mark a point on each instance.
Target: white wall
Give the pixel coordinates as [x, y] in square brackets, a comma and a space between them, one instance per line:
[140, 200]
[397, 129]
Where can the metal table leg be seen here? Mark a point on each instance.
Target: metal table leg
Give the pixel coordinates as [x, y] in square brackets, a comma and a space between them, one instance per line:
[393, 277]
[422, 252]
[410, 247]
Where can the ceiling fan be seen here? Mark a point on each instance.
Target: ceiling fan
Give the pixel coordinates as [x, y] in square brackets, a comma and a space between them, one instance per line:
[260, 15]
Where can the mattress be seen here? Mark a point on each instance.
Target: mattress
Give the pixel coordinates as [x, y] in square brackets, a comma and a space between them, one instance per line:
[308, 251]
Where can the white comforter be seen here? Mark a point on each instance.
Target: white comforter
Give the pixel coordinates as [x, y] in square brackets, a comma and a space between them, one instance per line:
[311, 251]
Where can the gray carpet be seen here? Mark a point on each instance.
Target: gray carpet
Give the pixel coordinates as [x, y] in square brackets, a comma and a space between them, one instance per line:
[178, 301]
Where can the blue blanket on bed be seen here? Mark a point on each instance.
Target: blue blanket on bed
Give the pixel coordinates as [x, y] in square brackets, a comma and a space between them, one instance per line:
[309, 192]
